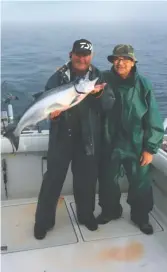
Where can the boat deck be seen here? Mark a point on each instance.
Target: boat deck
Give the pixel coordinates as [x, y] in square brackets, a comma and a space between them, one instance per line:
[116, 246]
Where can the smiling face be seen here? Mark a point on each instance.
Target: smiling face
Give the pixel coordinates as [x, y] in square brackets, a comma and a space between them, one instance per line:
[81, 61]
[123, 66]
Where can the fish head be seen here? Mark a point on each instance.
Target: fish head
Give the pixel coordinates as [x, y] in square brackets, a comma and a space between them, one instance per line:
[85, 85]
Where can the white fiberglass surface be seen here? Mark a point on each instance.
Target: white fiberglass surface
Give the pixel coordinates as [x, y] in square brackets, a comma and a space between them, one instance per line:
[17, 228]
[125, 250]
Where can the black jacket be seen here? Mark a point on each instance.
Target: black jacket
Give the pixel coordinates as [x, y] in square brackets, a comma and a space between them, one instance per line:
[90, 109]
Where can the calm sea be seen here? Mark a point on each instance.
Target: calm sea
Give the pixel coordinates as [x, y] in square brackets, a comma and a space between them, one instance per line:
[31, 53]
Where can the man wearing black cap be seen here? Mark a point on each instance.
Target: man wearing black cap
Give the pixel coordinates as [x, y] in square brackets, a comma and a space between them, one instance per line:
[75, 137]
[134, 132]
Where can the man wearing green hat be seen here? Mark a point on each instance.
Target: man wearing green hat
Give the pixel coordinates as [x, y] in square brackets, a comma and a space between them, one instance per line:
[133, 133]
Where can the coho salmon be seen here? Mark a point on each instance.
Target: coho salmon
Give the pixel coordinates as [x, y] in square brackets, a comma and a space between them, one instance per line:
[56, 99]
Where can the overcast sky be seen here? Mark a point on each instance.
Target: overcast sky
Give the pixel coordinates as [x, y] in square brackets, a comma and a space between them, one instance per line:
[83, 11]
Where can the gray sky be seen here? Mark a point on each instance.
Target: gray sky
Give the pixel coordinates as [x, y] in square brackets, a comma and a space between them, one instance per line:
[83, 11]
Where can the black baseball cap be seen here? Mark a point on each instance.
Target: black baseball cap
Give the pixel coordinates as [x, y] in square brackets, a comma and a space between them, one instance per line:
[82, 46]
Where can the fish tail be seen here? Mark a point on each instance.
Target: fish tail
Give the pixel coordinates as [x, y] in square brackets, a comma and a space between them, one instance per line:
[14, 139]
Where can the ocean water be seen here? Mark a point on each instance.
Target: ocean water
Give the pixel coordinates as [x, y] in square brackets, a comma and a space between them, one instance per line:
[30, 54]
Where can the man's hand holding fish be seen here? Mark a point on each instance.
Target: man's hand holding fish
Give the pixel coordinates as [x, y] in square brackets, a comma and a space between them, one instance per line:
[98, 88]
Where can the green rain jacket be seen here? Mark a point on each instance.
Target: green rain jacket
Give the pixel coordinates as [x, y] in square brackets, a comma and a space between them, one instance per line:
[134, 124]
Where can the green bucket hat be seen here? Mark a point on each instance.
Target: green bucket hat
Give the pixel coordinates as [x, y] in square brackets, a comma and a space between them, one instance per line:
[122, 50]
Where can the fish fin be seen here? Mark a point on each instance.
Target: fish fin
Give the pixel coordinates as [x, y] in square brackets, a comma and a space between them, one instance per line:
[53, 108]
[74, 100]
[12, 137]
[37, 95]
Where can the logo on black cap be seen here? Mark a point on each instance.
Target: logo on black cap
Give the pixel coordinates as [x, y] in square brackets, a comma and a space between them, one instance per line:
[82, 46]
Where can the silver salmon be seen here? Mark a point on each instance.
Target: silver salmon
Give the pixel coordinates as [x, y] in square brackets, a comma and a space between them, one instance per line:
[60, 99]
